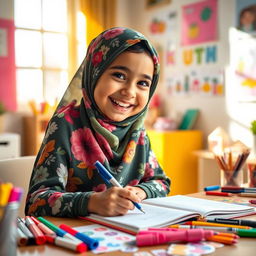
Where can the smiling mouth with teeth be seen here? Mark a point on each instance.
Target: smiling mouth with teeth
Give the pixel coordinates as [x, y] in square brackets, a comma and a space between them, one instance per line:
[120, 104]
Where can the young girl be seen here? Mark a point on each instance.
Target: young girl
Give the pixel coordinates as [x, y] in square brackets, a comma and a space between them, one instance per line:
[113, 86]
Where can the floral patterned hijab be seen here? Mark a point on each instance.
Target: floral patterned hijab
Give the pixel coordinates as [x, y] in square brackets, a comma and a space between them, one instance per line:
[78, 134]
[114, 142]
[84, 133]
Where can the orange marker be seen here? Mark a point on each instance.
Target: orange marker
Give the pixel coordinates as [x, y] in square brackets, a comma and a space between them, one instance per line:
[222, 239]
[228, 235]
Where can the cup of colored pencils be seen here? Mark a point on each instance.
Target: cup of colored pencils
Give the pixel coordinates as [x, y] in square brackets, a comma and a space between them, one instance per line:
[231, 161]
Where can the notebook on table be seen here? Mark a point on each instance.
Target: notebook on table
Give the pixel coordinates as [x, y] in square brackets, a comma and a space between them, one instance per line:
[165, 211]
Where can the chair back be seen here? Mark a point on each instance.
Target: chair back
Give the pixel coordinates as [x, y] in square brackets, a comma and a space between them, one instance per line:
[18, 172]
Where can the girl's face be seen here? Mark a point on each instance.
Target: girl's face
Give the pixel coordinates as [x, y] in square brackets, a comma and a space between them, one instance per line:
[123, 89]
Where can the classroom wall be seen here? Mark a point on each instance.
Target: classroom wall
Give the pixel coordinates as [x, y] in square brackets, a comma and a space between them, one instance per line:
[13, 121]
[223, 110]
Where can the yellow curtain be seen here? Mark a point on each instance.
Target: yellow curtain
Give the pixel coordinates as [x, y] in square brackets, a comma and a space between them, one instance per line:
[100, 15]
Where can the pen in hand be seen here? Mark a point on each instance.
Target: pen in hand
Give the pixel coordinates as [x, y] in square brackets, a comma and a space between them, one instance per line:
[109, 179]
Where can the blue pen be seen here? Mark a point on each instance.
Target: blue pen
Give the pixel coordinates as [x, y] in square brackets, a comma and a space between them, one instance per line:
[109, 179]
[212, 188]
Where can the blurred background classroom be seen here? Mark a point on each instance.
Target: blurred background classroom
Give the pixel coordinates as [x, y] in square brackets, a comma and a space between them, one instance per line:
[207, 87]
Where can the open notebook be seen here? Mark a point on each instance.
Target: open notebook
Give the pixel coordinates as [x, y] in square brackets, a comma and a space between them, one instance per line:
[161, 212]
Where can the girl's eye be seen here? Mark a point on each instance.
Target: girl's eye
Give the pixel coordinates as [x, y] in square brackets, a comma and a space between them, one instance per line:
[119, 75]
[144, 83]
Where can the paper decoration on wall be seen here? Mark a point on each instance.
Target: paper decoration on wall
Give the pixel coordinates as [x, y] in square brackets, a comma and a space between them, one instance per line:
[163, 22]
[3, 43]
[206, 81]
[171, 53]
[243, 64]
[7, 65]
[199, 55]
[246, 15]
[199, 22]
[157, 26]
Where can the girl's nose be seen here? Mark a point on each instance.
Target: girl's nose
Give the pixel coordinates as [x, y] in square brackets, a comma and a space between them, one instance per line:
[129, 90]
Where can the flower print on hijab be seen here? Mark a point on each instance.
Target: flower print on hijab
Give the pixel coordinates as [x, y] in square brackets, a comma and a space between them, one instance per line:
[78, 134]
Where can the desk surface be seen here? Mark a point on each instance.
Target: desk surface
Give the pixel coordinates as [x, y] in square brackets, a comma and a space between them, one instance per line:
[245, 246]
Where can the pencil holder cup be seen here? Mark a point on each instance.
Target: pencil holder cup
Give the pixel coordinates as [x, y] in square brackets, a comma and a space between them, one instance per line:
[8, 230]
[231, 178]
[252, 174]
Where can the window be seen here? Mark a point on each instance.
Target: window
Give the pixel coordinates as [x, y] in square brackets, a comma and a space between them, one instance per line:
[46, 45]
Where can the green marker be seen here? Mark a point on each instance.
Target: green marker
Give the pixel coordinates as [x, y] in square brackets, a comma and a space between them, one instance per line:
[246, 232]
[60, 232]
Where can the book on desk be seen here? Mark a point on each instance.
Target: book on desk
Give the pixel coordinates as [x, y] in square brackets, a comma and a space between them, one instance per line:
[161, 212]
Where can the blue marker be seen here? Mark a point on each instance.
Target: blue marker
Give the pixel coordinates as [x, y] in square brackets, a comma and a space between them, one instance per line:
[109, 179]
[90, 242]
[211, 188]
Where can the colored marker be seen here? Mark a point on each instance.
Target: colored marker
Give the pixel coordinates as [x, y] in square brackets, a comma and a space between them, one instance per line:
[217, 193]
[222, 239]
[5, 190]
[77, 246]
[25, 230]
[39, 236]
[247, 194]
[90, 242]
[252, 201]
[211, 188]
[43, 228]
[204, 223]
[155, 238]
[22, 239]
[15, 194]
[109, 179]
[216, 229]
[249, 223]
[60, 232]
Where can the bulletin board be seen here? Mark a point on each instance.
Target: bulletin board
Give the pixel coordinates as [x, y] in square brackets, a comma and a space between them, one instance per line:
[190, 61]
[7, 65]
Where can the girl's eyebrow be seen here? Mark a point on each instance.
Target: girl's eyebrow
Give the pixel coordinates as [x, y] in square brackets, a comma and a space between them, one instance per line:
[127, 70]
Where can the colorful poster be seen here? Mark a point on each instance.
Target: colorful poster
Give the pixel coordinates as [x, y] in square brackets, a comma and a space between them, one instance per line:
[203, 81]
[246, 15]
[7, 65]
[163, 22]
[199, 22]
[243, 64]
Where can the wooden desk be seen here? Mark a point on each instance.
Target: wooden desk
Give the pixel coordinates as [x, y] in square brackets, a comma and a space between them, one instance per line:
[245, 246]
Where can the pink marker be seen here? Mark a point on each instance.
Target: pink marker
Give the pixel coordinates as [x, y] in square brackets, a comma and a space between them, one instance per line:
[155, 238]
[15, 194]
[42, 227]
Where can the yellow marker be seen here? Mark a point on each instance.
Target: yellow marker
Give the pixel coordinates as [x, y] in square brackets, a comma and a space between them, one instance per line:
[5, 190]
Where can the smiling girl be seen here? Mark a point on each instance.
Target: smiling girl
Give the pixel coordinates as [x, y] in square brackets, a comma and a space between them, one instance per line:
[101, 117]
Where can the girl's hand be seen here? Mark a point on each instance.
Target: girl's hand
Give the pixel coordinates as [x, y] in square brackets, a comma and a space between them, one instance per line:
[112, 202]
[138, 191]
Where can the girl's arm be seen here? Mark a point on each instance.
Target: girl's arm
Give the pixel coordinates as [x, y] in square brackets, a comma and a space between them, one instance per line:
[47, 191]
[53, 188]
